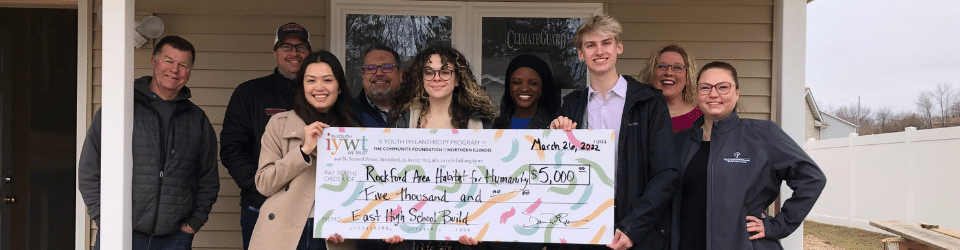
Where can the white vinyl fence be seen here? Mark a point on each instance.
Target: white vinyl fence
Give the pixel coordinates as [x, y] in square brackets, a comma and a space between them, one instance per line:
[911, 176]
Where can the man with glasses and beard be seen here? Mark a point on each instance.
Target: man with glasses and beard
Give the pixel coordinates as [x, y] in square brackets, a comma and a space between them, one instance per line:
[381, 81]
[251, 106]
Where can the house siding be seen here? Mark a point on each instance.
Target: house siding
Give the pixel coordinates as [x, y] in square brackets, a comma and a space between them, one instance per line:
[736, 31]
[810, 129]
[233, 45]
[837, 128]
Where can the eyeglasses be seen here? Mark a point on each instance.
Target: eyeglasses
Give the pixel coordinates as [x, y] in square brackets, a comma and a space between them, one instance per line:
[444, 74]
[723, 88]
[289, 47]
[372, 69]
[675, 68]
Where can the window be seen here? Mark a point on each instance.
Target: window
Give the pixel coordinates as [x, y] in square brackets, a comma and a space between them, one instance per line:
[489, 34]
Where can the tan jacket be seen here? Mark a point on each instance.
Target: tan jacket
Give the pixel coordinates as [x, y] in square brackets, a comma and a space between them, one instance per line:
[287, 181]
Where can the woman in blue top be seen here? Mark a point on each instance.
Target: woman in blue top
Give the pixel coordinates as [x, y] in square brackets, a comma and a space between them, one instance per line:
[530, 98]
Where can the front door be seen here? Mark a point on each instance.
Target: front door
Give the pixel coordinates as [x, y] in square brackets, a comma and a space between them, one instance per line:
[38, 90]
[5, 71]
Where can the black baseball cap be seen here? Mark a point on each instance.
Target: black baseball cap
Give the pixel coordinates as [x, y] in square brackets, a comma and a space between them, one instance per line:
[291, 28]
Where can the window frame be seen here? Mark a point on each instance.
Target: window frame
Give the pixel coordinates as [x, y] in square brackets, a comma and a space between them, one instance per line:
[467, 18]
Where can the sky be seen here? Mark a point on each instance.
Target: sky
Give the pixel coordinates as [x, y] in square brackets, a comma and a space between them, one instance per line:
[886, 52]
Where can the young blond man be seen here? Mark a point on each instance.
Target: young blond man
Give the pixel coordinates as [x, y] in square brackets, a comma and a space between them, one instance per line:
[646, 166]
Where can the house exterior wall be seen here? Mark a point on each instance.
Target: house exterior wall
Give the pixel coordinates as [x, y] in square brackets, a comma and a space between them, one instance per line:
[234, 45]
[837, 128]
[736, 31]
[810, 129]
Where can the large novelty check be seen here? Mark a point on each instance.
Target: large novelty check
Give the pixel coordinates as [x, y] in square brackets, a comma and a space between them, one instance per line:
[493, 185]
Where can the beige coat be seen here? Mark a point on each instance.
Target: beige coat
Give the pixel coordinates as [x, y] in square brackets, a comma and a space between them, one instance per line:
[287, 181]
[413, 121]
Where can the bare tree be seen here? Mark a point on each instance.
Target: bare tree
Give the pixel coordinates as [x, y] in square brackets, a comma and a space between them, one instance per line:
[943, 99]
[883, 116]
[906, 119]
[925, 108]
[955, 106]
[853, 113]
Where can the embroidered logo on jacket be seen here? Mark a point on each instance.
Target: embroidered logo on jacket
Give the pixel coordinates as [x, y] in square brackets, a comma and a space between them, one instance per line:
[736, 159]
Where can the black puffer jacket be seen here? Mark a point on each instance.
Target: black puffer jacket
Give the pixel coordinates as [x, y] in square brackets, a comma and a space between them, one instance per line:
[175, 176]
[647, 168]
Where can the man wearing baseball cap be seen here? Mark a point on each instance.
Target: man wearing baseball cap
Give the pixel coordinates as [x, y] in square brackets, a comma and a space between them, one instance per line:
[251, 106]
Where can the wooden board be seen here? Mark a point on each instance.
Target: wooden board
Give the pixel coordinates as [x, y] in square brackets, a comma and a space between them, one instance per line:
[915, 233]
[948, 232]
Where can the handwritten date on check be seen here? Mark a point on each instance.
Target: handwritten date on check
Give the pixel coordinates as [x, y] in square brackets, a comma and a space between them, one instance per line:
[494, 185]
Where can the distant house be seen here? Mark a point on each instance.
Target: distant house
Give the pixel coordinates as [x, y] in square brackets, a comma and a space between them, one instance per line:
[821, 125]
[836, 127]
[812, 120]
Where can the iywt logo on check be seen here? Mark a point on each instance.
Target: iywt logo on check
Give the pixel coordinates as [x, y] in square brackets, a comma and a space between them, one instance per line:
[353, 146]
[736, 159]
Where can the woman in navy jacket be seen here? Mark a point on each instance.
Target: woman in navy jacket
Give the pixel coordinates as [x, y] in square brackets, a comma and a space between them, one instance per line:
[731, 171]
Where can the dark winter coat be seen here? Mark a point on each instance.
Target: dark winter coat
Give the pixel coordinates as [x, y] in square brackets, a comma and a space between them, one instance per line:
[250, 108]
[174, 168]
[748, 161]
[368, 114]
[647, 168]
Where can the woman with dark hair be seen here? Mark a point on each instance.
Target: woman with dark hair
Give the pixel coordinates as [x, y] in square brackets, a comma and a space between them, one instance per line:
[530, 99]
[442, 93]
[732, 169]
[288, 155]
[672, 70]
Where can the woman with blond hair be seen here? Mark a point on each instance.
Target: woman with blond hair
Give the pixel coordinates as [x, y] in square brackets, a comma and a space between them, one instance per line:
[672, 70]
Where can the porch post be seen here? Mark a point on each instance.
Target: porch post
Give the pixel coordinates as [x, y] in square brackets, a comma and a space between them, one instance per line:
[84, 63]
[791, 31]
[117, 123]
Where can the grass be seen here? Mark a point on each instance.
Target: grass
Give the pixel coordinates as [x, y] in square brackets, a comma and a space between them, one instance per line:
[844, 237]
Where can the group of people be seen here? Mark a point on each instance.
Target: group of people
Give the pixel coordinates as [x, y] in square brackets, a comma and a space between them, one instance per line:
[690, 174]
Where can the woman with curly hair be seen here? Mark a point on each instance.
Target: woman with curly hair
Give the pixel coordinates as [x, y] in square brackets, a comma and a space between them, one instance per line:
[442, 93]
[530, 99]
[672, 70]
